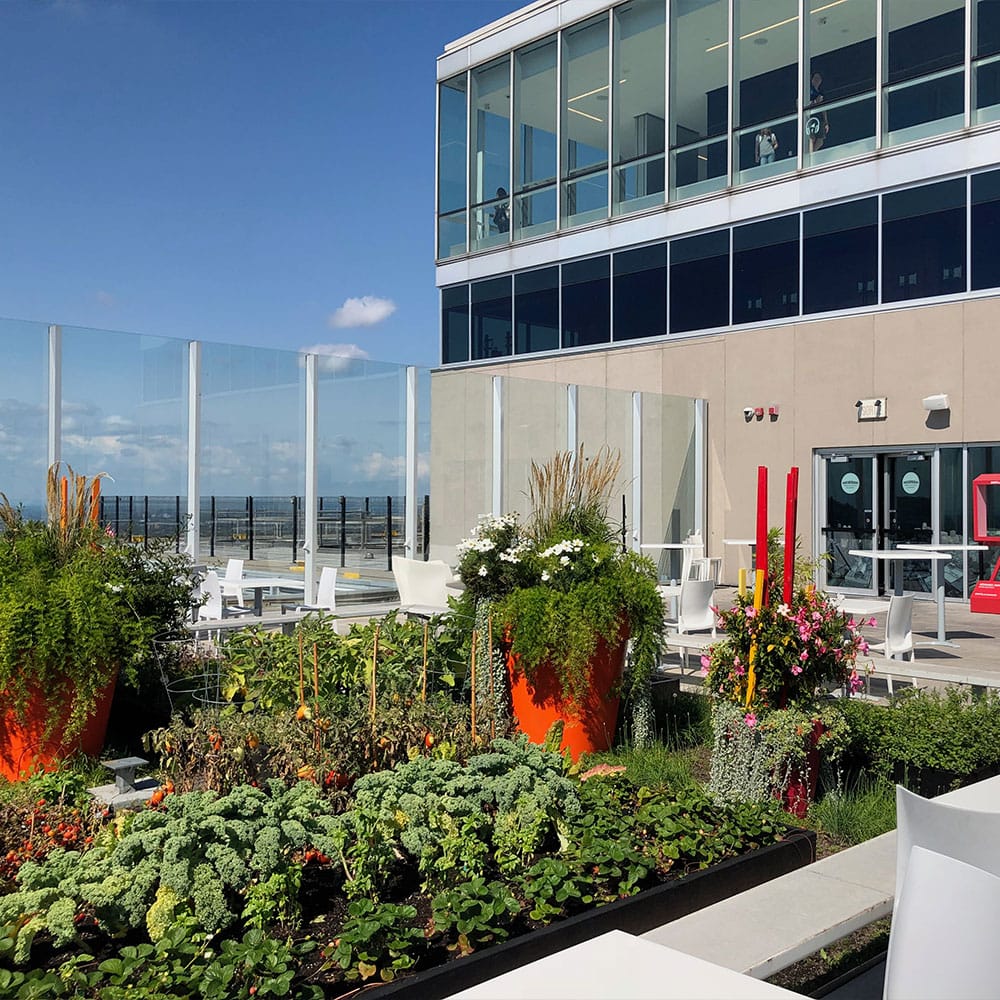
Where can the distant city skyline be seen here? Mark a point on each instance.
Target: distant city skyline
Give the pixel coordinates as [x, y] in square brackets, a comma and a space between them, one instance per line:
[247, 173]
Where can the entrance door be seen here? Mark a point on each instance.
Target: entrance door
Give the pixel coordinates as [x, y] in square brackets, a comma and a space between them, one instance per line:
[907, 514]
[850, 522]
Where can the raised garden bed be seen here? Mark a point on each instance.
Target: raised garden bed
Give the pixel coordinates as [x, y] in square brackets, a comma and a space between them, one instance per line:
[635, 915]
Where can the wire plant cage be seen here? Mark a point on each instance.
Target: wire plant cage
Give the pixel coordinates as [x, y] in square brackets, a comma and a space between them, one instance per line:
[190, 669]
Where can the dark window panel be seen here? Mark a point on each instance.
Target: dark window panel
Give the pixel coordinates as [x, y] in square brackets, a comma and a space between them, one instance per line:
[987, 27]
[840, 257]
[923, 242]
[536, 310]
[491, 318]
[699, 282]
[927, 46]
[985, 226]
[766, 270]
[641, 293]
[454, 324]
[586, 302]
[941, 97]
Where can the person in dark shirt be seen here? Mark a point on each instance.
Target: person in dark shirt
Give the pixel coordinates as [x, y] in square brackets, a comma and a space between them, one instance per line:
[501, 214]
[817, 125]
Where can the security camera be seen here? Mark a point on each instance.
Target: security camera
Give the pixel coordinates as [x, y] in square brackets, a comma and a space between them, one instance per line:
[859, 404]
[747, 412]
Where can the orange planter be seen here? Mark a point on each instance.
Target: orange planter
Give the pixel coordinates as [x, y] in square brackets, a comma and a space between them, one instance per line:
[589, 725]
[24, 748]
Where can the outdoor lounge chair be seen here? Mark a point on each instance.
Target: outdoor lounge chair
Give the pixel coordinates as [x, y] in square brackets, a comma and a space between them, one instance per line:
[423, 586]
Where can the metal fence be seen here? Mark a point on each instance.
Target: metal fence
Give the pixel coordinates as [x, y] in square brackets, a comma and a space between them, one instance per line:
[350, 530]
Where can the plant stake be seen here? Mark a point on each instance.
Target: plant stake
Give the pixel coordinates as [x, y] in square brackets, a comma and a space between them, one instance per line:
[493, 704]
[475, 642]
[374, 662]
[791, 510]
[760, 581]
[423, 690]
[302, 686]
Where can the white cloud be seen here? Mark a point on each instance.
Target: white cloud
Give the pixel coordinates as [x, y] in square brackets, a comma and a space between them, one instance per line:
[365, 311]
[336, 357]
[378, 465]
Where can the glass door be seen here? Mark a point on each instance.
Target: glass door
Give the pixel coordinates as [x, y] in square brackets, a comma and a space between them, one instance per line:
[908, 516]
[849, 522]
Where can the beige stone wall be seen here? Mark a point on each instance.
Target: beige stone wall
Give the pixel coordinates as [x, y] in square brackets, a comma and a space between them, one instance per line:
[814, 371]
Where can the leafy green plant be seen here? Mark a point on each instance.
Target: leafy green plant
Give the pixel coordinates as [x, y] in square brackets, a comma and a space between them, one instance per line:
[473, 914]
[562, 584]
[75, 610]
[377, 939]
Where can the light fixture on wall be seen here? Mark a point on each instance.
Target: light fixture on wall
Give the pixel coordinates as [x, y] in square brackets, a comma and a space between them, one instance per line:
[939, 401]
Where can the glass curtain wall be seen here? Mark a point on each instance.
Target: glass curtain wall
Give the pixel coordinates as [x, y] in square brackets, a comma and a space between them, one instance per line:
[924, 59]
[454, 324]
[24, 414]
[489, 179]
[986, 61]
[639, 105]
[585, 112]
[985, 226]
[840, 77]
[452, 159]
[640, 292]
[699, 96]
[766, 82]
[491, 319]
[536, 310]
[586, 302]
[535, 142]
[766, 270]
[840, 256]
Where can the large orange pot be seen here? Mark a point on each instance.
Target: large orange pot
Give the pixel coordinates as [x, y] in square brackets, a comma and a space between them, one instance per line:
[24, 748]
[589, 724]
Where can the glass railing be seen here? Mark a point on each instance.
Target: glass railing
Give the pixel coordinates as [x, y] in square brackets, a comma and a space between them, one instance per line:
[699, 168]
[451, 235]
[585, 199]
[930, 105]
[766, 149]
[639, 184]
[535, 212]
[490, 224]
[836, 130]
[986, 81]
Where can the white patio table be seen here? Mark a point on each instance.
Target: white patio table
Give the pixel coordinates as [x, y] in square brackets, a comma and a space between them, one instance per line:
[619, 966]
[942, 639]
[258, 584]
[907, 555]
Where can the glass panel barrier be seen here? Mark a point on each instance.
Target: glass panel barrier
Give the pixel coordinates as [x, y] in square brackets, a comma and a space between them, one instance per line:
[639, 184]
[491, 224]
[838, 130]
[604, 416]
[699, 169]
[931, 106]
[763, 151]
[452, 234]
[535, 212]
[24, 414]
[252, 444]
[489, 182]
[452, 171]
[127, 417]
[586, 199]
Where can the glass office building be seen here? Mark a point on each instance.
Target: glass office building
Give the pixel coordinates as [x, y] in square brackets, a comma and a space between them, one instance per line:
[769, 205]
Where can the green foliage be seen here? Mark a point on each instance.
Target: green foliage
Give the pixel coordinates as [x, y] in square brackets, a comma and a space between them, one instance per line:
[473, 914]
[857, 814]
[655, 766]
[954, 730]
[755, 756]
[206, 849]
[71, 617]
[184, 963]
[376, 940]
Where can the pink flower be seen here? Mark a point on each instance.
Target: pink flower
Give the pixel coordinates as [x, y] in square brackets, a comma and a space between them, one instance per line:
[750, 719]
[855, 682]
[863, 647]
[109, 531]
[851, 623]
[871, 622]
[750, 612]
[705, 664]
[796, 670]
[804, 655]
[738, 669]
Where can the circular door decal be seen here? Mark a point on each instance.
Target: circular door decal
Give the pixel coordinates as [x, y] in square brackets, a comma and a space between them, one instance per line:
[850, 483]
[911, 483]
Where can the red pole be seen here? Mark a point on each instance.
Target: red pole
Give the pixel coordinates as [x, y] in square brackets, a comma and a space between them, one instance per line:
[762, 526]
[791, 512]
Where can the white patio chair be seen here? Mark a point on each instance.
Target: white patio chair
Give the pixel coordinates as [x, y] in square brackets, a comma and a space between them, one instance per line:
[214, 606]
[326, 597]
[898, 632]
[705, 568]
[231, 581]
[943, 935]
[969, 835]
[695, 612]
[422, 586]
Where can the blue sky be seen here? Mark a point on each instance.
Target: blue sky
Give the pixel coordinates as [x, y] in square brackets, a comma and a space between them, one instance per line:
[250, 171]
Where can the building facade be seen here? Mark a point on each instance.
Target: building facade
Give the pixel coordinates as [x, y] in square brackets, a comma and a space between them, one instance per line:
[786, 208]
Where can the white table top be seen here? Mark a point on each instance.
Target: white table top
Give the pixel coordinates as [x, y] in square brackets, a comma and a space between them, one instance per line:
[916, 553]
[862, 606]
[672, 545]
[946, 547]
[260, 582]
[619, 966]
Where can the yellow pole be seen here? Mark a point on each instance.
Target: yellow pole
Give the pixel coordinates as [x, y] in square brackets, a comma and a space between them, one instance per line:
[743, 582]
[758, 601]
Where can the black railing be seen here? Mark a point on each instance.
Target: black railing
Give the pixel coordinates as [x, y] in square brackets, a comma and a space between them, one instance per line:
[271, 527]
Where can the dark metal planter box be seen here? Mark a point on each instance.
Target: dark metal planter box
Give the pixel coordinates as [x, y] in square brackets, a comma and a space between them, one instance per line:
[636, 915]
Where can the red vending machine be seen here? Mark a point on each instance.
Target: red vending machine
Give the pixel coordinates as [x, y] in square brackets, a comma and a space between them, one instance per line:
[985, 596]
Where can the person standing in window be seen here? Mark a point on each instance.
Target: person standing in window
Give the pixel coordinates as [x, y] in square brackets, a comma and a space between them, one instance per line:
[817, 126]
[766, 146]
[501, 214]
